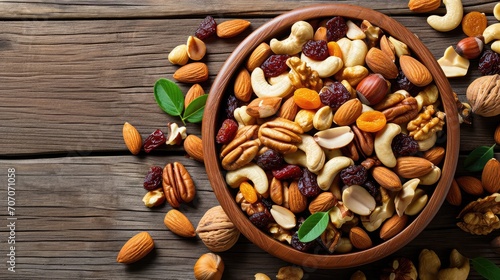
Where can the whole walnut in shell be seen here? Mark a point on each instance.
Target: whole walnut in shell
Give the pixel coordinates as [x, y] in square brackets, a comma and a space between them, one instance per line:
[216, 230]
[483, 95]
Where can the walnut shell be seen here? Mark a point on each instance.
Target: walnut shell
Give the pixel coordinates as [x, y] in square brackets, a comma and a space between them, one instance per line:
[483, 95]
[216, 230]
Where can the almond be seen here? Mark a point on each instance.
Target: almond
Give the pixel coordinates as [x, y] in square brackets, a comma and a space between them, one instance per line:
[415, 71]
[435, 155]
[412, 167]
[360, 239]
[393, 226]
[135, 248]
[264, 107]
[386, 178]
[193, 147]
[297, 202]
[243, 85]
[258, 56]
[380, 62]
[323, 202]
[496, 136]
[491, 176]
[288, 109]
[231, 28]
[132, 138]
[194, 92]
[179, 224]
[454, 196]
[423, 6]
[348, 112]
[387, 47]
[195, 72]
[470, 185]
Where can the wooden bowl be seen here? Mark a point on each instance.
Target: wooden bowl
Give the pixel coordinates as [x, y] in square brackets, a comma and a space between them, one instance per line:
[216, 102]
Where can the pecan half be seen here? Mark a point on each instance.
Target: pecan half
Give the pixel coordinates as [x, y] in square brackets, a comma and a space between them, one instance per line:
[281, 134]
[178, 185]
[363, 140]
[244, 134]
[241, 155]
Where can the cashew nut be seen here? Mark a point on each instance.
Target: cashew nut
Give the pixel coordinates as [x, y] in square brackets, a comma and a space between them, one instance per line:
[331, 153]
[427, 96]
[250, 172]
[354, 32]
[330, 170]
[261, 276]
[431, 177]
[496, 11]
[405, 196]
[325, 68]
[491, 33]
[323, 118]
[353, 52]
[242, 117]
[417, 203]
[424, 145]
[263, 89]
[382, 144]
[452, 18]
[301, 32]
[496, 46]
[428, 265]
[380, 213]
[298, 158]
[459, 267]
[453, 64]
[315, 157]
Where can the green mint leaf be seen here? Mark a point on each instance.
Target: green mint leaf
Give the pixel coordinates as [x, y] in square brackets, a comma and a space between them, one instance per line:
[169, 97]
[476, 160]
[194, 111]
[313, 226]
[486, 268]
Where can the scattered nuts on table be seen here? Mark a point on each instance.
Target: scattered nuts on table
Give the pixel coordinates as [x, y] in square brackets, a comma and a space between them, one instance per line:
[132, 138]
[290, 273]
[452, 18]
[179, 224]
[429, 266]
[136, 248]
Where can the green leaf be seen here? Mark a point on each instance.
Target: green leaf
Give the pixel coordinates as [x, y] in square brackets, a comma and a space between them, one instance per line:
[169, 97]
[486, 268]
[194, 111]
[476, 160]
[313, 226]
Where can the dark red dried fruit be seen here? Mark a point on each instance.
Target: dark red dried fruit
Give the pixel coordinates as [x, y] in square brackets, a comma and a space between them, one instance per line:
[354, 175]
[154, 140]
[317, 50]
[372, 188]
[334, 95]
[301, 246]
[227, 131]
[336, 28]
[489, 63]
[207, 28]
[270, 160]
[261, 219]
[231, 104]
[404, 145]
[308, 184]
[275, 65]
[290, 171]
[402, 83]
[153, 179]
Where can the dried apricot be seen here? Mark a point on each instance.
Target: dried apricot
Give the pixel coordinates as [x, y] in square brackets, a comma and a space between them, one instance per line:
[474, 23]
[248, 192]
[334, 49]
[307, 98]
[371, 121]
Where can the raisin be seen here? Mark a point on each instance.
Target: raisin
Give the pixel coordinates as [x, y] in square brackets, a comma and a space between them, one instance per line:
[308, 184]
[402, 83]
[404, 145]
[489, 63]
[154, 140]
[270, 160]
[354, 175]
[153, 179]
[372, 188]
[290, 171]
[301, 246]
[207, 28]
[227, 131]
[261, 219]
[275, 65]
[334, 95]
[317, 50]
[336, 28]
[267, 202]
[231, 105]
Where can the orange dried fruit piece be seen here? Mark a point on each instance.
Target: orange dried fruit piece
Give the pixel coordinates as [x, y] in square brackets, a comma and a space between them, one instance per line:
[371, 121]
[334, 49]
[307, 98]
[474, 23]
[248, 192]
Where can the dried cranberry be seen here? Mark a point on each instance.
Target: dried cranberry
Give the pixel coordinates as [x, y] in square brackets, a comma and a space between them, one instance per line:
[354, 175]
[207, 28]
[372, 188]
[336, 28]
[317, 50]
[489, 63]
[270, 160]
[261, 219]
[301, 246]
[153, 179]
[275, 65]
[227, 131]
[154, 140]
[334, 95]
[308, 184]
[402, 83]
[404, 145]
[290, 171]
[231, 105]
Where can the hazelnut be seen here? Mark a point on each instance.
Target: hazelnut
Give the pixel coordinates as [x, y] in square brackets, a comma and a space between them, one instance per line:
[470, 47]
[372, 89]
[209, 267]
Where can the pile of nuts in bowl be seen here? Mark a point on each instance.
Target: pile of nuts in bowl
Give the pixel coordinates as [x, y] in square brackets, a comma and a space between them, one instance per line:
[339, 119]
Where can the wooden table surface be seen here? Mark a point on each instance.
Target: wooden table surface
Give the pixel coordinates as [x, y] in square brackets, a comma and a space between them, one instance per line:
[72, 72]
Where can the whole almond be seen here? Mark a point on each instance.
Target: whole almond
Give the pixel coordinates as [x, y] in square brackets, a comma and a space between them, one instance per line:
[193, 147]
[496, 136]
[387, 47]
[243, 85]
[288, 109]
[348, 112]
[132, 138]
[454, 196]
[194, 92]
[135, 248]
[264, 107]
[231, 28]
[323, 202]
[360, 239]
[179, 224]
[379, 62]
[258, 56]
[470, 185]
[386, 178]
[435, 155]
[491, 176]
[297, 202]
[415, 71]
[195, 72]
[412, 167]
[423, 6]
[393, 226]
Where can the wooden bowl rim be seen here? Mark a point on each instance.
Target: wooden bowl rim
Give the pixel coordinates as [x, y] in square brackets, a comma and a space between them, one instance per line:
[213, 167]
